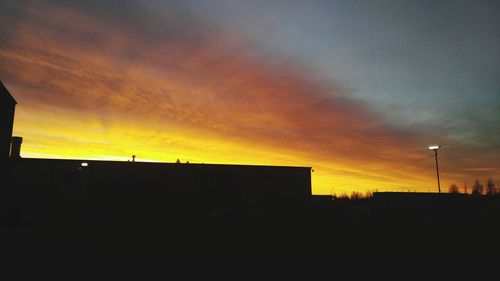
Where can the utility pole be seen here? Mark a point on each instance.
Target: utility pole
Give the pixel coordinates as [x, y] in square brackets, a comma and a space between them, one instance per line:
[436, 148]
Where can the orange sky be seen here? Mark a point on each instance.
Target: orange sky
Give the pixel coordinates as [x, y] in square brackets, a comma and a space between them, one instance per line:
[101, 88]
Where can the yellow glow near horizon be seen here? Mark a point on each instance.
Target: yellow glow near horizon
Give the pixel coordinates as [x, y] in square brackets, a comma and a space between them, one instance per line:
[83, 140]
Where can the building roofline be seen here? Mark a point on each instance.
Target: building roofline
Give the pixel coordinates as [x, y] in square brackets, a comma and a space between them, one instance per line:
[4, 89]
[161, 163]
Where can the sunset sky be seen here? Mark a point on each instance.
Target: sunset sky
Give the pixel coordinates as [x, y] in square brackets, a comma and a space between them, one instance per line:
[357, 90]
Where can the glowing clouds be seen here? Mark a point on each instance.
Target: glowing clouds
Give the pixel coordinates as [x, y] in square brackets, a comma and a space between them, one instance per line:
[164, 87]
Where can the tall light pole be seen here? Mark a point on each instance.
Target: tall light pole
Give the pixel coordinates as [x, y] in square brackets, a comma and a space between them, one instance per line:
[436, 148]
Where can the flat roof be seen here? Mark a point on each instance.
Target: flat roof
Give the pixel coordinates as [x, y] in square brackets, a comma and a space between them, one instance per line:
[160, 163]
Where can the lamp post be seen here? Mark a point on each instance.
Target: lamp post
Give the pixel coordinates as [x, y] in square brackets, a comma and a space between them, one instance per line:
[436, 148]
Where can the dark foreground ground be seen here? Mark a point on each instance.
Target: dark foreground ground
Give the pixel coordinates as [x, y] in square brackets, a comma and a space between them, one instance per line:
[335, 229]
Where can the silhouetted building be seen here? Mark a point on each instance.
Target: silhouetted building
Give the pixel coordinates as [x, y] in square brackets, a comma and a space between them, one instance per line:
[145, 191]
[7, 109]
[15, 147]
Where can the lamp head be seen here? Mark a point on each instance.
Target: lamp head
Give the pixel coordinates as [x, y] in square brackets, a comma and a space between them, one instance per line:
[435, 148]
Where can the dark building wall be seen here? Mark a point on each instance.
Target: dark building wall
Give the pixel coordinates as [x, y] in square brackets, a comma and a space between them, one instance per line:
[7, 108]
[159, 189]
[424, 204]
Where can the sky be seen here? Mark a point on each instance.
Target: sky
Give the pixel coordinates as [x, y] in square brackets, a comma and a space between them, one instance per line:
[357, 90]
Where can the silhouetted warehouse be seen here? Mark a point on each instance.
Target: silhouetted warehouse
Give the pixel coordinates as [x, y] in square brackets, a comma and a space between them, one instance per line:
[106, 190]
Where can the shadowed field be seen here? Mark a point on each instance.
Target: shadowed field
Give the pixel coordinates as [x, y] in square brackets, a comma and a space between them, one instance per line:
[353, 227]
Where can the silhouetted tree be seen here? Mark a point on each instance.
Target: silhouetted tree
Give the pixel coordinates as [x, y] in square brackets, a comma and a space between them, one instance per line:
[453, 188]
[477, 188]
[178, 161]
[344, 196]
[356, 195]
[369, 194]
[490, 188]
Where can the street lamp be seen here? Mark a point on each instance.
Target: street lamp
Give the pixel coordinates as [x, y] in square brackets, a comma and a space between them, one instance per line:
[436, 148]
